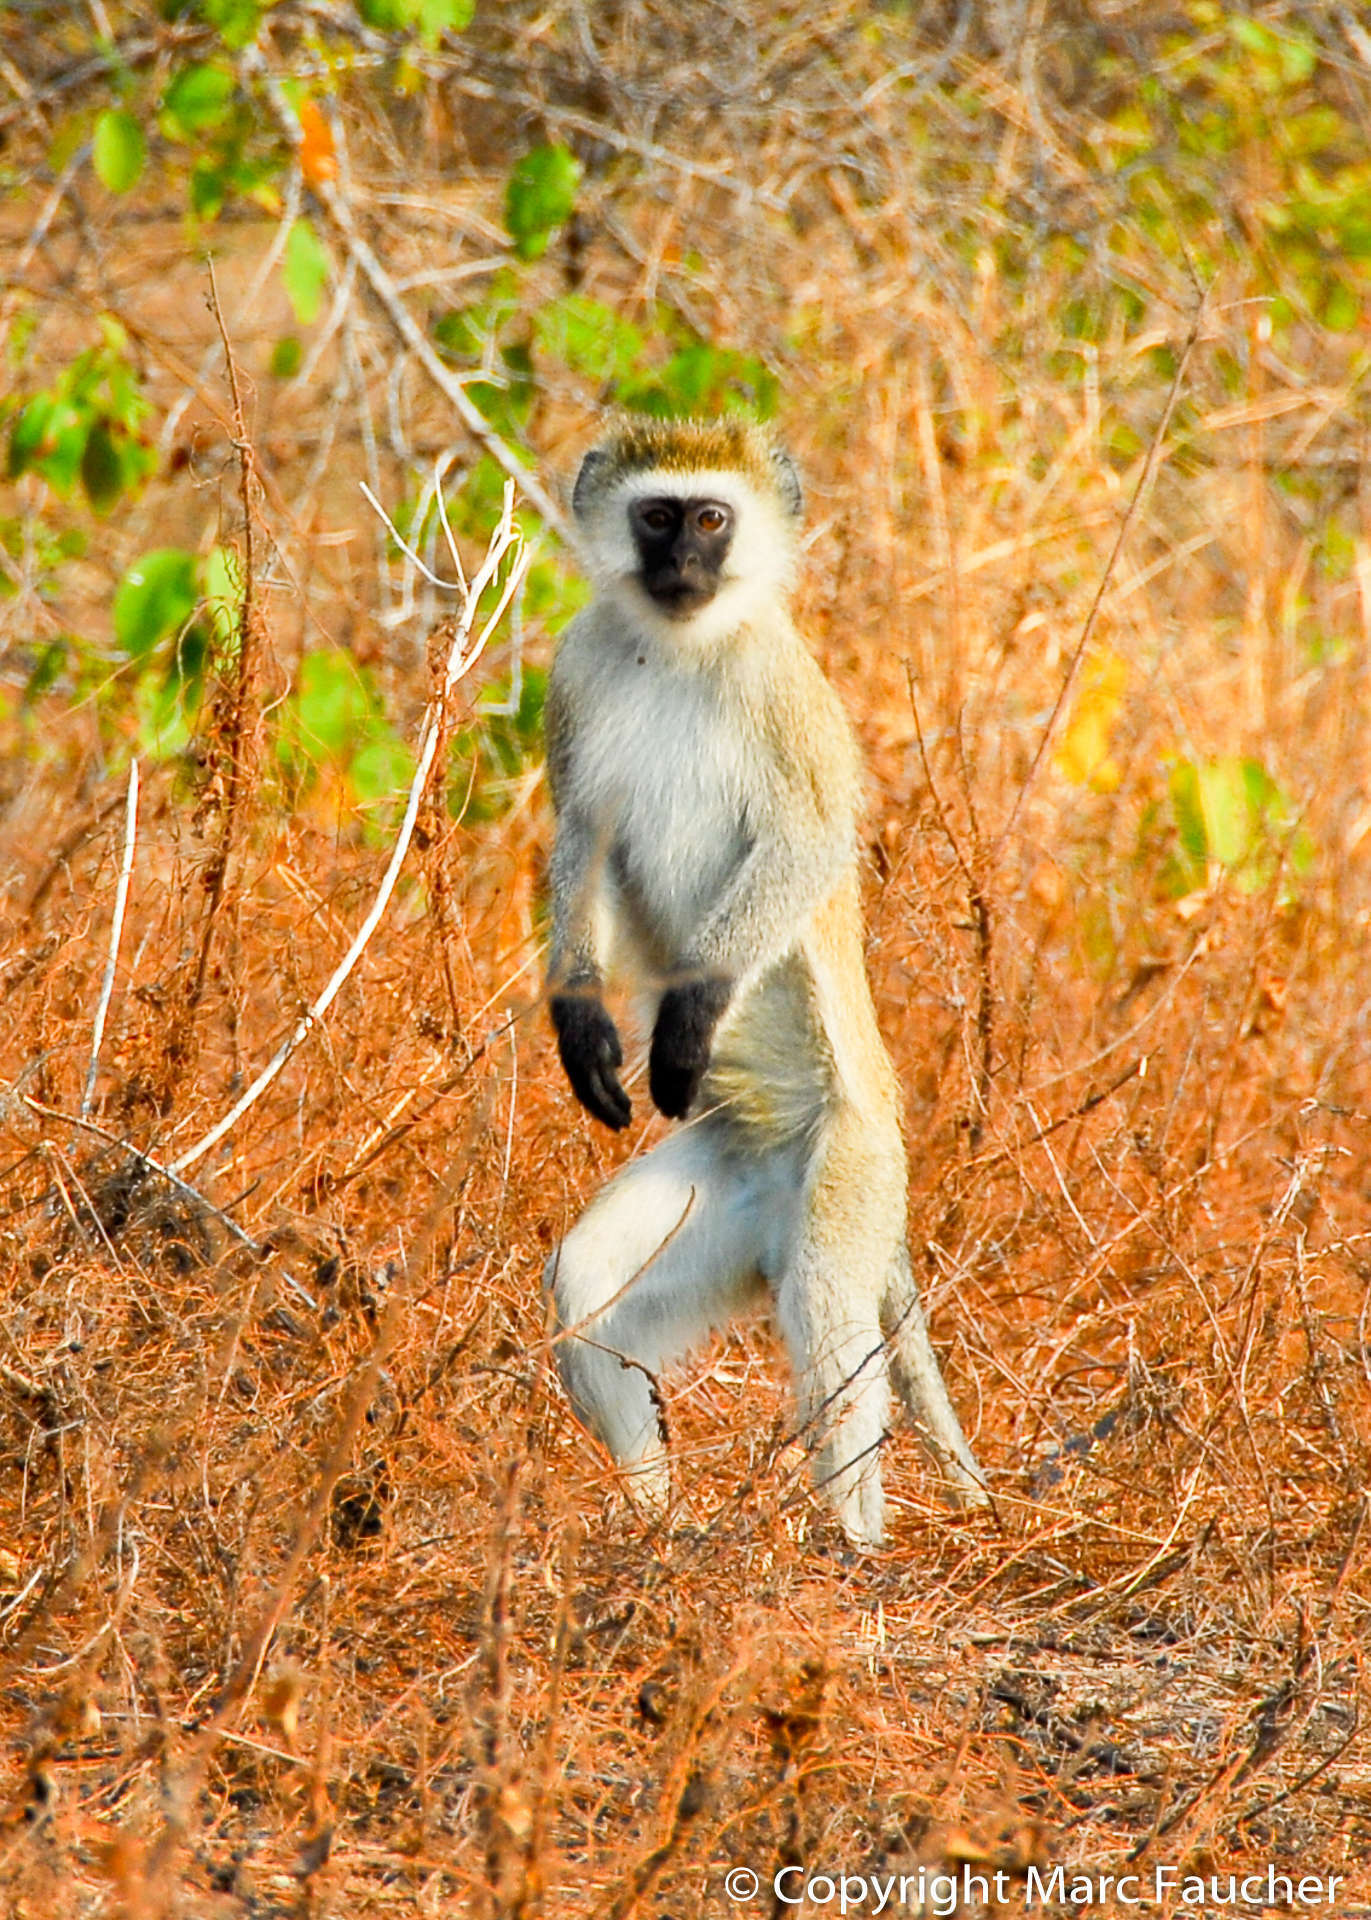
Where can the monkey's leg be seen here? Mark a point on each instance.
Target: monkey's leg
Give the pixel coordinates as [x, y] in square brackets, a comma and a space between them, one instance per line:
[842, 1384]
[669, 1249]
[919, 1381]
[828, 1309]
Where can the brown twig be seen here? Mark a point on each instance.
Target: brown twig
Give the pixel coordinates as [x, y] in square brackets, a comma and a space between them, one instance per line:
[230, 745]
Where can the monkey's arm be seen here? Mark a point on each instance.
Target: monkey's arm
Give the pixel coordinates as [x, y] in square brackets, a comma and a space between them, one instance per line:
[587, 1038]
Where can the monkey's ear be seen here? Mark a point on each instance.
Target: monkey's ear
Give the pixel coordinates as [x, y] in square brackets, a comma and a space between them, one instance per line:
[788, 484]
[588, 480]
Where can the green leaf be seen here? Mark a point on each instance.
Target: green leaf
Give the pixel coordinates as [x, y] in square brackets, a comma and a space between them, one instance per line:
[382, 768]
[702, 379]
[305, 271]
[224, 593]
[163, 720]
[102, 468]
[334, 704]
[553, 595]
[157, 596]
[434, 18]
[50, 438]
[119, 151]
[286, 356]
[209, 187]
[588, 337]
[1341, 307]
[539, 197]
[1189, 812]
[29, 434]
[197, 100]
[46, 669]
[236, 20]
[335, 719]
[1227, 815]
[456, 334]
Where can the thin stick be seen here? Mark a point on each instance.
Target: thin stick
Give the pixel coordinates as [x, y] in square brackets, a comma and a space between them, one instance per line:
[339, 212]
[416, 560]
[248, 622]
[462, 656]
[1145, 479]
[121, 894]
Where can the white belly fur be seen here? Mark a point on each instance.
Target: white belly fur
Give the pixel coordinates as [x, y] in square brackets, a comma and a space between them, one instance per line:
[661, 741]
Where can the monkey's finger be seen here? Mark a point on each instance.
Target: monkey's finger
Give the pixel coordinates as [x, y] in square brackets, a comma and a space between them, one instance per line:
[673, 1088]
[595, 1087]
[609, 1103]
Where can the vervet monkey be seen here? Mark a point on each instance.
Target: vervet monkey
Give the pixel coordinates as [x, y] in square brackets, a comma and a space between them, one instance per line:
[707, 790]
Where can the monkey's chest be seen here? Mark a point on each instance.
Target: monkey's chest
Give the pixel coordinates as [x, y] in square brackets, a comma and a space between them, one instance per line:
[671, 787]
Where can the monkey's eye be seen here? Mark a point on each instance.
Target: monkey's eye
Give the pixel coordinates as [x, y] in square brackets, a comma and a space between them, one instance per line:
[657, 519]
[711, 519]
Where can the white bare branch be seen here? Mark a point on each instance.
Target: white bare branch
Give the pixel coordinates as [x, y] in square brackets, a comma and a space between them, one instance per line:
[121, 894]
[463, 654]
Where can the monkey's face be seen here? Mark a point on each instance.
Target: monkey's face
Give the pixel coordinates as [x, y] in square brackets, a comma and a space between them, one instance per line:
[688, 529]
[682, 545]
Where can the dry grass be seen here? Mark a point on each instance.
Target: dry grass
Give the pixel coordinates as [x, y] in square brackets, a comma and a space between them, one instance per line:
[312, 1598]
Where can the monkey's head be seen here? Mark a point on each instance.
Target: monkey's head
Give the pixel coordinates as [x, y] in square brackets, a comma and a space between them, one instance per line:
[690, 524]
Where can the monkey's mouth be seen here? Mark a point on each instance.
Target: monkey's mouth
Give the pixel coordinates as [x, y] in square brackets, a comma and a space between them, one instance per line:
[679, 597]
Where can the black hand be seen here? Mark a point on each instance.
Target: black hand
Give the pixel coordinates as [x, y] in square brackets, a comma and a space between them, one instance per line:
[588, 1042]
[681, 1042]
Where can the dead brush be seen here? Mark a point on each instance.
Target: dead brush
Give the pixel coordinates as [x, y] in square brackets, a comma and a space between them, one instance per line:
[276, 1636]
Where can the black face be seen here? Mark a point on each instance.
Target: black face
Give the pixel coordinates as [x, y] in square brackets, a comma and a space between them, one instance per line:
[682, 546]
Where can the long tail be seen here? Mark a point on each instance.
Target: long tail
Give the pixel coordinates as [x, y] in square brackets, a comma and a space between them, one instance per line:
[919, 1382]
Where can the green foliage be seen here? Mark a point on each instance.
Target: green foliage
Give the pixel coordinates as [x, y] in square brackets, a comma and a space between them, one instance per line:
[86, 428]
[487, 757]
[588, 337]
[507, 403]
[467, 333]
[1236, 96]
[173, 612]
[31, 541]
[539, 197]
[700, 378]
[335, 722]
[553, 594]
[430, 19]
[222, 579]
[197, 101]
[305, 272]
[1229, 818]
[119, 151]
[237, 20]
[475, 509]
[471, 336]
[46, 670]
[286, 357]
[220, 130]
[155, 598]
